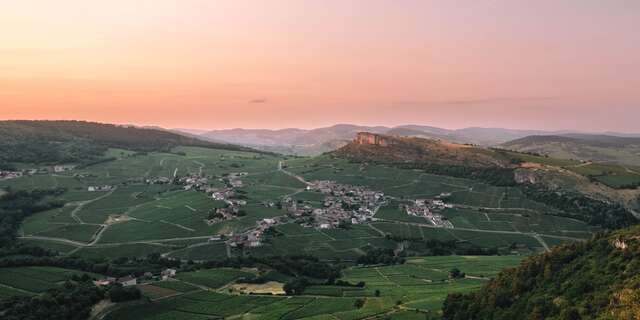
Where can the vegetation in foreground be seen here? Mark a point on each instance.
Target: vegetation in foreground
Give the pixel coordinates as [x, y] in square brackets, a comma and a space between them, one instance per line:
[597, 279]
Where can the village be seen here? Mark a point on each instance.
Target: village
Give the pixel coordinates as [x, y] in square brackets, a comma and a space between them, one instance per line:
[342, 204]
[13, 174]
[428, 209]
[131, 280]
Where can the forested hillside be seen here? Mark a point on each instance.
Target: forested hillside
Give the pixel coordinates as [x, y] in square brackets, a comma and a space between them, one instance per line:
[597, 279]
[79, 141]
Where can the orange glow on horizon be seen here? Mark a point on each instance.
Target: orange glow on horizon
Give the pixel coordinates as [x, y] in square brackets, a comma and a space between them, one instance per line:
[294, 63]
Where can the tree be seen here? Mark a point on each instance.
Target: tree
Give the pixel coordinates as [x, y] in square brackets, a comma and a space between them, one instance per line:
[295, 286]
[120, 294]
[455, 273]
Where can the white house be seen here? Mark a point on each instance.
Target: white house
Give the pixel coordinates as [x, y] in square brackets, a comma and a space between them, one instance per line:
[128, 281]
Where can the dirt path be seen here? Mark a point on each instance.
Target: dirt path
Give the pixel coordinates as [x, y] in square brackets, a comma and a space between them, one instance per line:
[74, 213]
[202, 166]
[17, 289]
[178, 225]
[111, 244]
[631, 170]
[544, 244]
[299, 178]
[485, 231]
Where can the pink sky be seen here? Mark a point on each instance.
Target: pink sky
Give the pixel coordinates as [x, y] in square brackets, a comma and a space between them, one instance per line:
[545, 64]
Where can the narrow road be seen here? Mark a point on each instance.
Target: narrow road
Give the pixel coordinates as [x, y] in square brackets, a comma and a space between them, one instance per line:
[299, 178]
[532, 234]
[98, 235]
[74, 213]
[111, 244]
[544, 244]
[201, 166]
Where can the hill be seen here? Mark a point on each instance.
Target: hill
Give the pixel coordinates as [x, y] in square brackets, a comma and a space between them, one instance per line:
[79, 141]
[543, 179]
[597, 279]
[599, 148]
[379, 148]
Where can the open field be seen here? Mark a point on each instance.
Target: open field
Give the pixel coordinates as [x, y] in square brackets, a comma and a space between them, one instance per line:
[213, 278]
[34, 280]
[615, 176]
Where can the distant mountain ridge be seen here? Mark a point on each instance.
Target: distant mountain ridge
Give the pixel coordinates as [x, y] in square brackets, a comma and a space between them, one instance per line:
[319, 140]
[81, 141]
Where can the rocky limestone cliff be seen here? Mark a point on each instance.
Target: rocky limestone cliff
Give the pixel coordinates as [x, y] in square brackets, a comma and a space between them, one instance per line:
[372, 139]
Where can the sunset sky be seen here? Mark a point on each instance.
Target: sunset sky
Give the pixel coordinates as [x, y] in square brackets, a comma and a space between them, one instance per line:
[554, 64]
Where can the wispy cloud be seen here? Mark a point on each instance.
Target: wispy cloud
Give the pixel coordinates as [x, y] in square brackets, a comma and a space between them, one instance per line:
[476, 101]
[261, 100]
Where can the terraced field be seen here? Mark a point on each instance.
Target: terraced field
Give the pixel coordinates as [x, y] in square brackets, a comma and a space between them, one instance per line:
[420, 285]
[136, 219]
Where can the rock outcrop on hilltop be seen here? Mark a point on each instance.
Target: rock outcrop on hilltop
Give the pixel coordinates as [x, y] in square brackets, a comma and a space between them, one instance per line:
[372, 139]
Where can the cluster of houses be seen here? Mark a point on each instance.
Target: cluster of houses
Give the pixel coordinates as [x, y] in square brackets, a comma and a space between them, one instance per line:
[233, 180]
[158, 180]
[429, 209]
[253, 237]
[63, 168]
[342, 204]
[193, 182]
[222, 214]
[6, 175]
[104, 188]
[10, 174]
[130, 280]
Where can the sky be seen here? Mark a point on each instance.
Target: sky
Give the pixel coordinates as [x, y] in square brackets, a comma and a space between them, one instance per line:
[214, 64]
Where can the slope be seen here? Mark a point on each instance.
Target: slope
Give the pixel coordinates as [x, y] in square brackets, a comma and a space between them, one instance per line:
[593, 280]
[79, 141]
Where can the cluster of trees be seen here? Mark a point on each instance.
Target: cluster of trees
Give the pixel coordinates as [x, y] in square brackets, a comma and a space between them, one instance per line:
[380, 256]
[591, 280]
[17, 205]
[455, 273]
[497, 176]
[73, 300]
[121, 294]
[295, 286]
[79, 141]
[422, 247]
[116, 267]
[292, 265]
[434, 247]
[577, 206]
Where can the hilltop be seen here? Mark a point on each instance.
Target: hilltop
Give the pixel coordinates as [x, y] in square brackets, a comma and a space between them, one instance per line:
[599, 148]
[379, 148]
[571, 186]
[79, 141]
[597, 279]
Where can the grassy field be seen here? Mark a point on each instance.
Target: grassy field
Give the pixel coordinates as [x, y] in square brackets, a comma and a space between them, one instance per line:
[615, 176]
[34, 280]
[213, 278]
